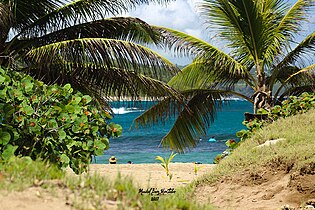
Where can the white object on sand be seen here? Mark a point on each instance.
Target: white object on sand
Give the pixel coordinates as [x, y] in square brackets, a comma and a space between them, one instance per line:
[270, 142]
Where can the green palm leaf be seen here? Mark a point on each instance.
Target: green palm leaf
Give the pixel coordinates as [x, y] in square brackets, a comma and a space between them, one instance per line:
[6, 19]
[160, 112]
[26, 12]
[107, 52]
[297, 55]
[297, 90]
[304, 48]
[292, 21]
[191, 123]
[307, 74]
[191, 120]
[193, 76]
[185, 44]
[105, 82]
[125, 28]
[71, 12]
[238, 22]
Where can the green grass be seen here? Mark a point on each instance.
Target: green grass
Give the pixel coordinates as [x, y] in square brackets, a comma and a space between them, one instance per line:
[95, 191]
[297, 150]
[19, 173]
[87, 191]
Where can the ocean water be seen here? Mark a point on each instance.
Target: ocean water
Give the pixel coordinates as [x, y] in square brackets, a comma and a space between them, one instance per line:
[142, 145]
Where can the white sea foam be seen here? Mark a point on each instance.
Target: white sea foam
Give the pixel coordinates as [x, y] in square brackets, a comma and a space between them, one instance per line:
[125, 110]
[233, 99]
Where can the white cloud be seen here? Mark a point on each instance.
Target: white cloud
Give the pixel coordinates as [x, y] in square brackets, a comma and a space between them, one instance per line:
[180, 15]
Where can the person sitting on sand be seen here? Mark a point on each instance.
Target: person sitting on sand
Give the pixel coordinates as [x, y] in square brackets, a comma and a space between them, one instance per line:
[112, 160]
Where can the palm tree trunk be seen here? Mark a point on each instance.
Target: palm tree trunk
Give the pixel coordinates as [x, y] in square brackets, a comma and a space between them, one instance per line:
[262, 96]
[262, 99]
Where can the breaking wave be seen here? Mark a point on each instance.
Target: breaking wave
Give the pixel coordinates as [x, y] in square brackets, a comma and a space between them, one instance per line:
[125, 110]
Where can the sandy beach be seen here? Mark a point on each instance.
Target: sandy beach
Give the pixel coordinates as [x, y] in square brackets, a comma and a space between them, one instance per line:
[153, 175]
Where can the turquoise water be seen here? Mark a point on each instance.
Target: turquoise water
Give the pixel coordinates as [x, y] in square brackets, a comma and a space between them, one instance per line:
[141, 146]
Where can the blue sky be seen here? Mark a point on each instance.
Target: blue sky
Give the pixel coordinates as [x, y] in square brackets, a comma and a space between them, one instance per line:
[182, 15]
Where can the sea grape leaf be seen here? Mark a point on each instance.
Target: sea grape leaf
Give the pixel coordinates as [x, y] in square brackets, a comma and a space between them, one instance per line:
[28, 110]
[62, 134]
[99, 147]
[4, 137]
[8, 152]
[94, 129]
[86, 99]
[2, 79]
[70, 109]
[27, 84]
[76, 100]
[231, 143]
[57, 108]
[67, 87]
[64, 159]
[3, 93]
[52, 123]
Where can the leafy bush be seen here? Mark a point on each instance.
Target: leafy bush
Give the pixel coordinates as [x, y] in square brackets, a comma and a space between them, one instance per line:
[53, 123]
[292, 106]
[231, 144]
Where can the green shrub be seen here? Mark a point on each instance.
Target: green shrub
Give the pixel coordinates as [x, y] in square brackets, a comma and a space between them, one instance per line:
[52, 123]
[292, 106]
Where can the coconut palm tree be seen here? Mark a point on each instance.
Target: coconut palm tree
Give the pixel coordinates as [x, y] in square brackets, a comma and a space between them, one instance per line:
[84, 43]
[262, 53]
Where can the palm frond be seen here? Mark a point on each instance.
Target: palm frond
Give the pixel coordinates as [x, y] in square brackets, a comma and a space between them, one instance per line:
[125, 28]
[296, 91]
[107, 52]
[191, 121]
[5, 21]
[26, 12]
[307, 75]
[298, 55]
[73, 12]
[200, 74]
[289, 24]
[292, 21]
[193, 76]
[238, 22]
[188, 45]
[159, 113]
[105, 82]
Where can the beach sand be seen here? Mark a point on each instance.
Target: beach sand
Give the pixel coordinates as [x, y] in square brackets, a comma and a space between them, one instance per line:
[145, 176]
[153, 175]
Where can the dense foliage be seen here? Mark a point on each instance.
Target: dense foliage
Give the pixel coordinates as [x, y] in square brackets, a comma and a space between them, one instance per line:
[292, 106]
[53, 123]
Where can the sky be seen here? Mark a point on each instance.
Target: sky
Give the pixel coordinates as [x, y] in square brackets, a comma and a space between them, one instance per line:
[183, 16]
